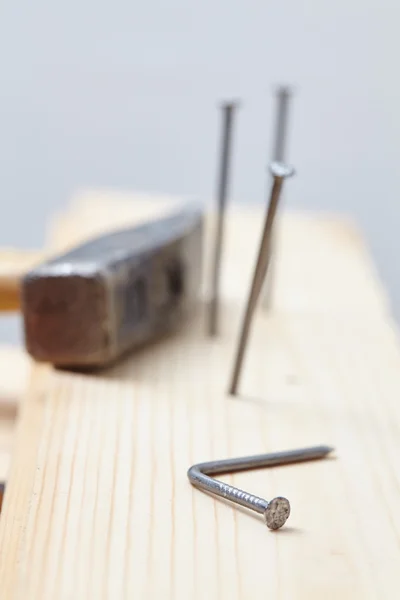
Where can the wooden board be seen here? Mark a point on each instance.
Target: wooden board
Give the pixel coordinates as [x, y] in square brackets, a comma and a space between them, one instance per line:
[14, 370]
[98, 503]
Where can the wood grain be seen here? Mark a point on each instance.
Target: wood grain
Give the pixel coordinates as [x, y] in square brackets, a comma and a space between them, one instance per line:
[14, 376]
[99, 505]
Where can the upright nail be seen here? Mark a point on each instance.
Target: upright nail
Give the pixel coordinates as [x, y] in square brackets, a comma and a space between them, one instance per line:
[279, 171]
[228, 110]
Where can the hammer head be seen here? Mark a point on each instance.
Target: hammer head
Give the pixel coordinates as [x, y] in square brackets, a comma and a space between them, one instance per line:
[92, 304]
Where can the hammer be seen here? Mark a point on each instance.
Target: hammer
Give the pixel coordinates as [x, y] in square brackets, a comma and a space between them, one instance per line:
[89, 306]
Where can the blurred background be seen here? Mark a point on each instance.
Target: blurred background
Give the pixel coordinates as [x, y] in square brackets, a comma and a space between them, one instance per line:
[125, 95]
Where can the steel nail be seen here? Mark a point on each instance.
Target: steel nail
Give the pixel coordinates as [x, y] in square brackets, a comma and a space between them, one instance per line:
[279, 172]
[275, 511]
[228, 110]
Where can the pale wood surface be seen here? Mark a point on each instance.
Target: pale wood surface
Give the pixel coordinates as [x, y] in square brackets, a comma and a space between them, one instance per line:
[14, 375]
[98, 503]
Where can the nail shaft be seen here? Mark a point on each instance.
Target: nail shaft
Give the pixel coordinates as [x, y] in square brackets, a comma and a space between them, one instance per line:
[279, 172]
[275, 511]
[283, 96]
[226, 144]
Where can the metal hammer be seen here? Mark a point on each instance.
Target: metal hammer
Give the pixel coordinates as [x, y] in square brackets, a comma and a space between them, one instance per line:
[87, 307]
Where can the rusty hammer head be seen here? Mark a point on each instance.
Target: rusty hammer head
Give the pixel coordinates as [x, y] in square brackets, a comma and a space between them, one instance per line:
[111, 294]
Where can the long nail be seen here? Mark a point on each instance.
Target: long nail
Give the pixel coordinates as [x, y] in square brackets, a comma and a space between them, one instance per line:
[228, 110]
[283, 96]
[279, 172]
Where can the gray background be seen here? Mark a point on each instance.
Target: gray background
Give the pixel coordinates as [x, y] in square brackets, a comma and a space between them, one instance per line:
[124, 94]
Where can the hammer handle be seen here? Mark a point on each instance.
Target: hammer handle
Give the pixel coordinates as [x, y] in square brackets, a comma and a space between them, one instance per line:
[13, 266]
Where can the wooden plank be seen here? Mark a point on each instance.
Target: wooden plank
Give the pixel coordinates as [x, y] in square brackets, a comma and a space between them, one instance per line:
[98, 503]
[15, 366]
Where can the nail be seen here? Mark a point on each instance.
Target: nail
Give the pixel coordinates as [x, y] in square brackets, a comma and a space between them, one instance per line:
[228, 110]
[275, 511]
[283, 95]
[279, 172]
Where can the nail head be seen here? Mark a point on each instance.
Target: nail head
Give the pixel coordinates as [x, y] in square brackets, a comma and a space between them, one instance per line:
[280, 169]
[277, 512]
